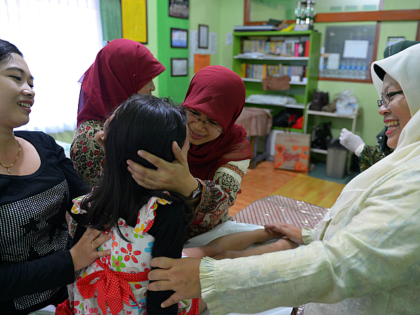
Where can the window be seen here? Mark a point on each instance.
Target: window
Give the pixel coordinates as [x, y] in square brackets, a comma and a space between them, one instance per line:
[59, 40]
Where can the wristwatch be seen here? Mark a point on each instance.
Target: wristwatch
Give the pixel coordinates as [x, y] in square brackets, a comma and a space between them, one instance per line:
[196, 193]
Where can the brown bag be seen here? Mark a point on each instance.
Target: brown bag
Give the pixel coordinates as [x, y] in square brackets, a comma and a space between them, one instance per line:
[276, 83]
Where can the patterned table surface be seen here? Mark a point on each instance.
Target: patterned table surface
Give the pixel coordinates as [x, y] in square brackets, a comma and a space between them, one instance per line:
[277, 208]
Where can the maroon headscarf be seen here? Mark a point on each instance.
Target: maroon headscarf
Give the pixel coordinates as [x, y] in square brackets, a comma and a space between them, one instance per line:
[120, 70]
[218, 93]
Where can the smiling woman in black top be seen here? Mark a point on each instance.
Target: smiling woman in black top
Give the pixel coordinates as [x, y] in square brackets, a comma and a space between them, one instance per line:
[37, 184]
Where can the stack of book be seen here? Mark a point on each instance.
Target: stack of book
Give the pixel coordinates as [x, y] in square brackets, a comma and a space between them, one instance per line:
[290, 47]
[260, 71]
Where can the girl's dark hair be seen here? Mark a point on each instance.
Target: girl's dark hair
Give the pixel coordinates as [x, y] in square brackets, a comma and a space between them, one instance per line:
[143, 122]
[6, 49]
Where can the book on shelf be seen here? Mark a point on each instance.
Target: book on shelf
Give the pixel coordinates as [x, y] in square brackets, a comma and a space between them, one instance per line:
[261, 71]
[244, 28]
[294, 47]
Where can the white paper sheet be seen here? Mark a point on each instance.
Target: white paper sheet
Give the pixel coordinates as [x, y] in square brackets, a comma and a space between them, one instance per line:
[229, 39]
[356, 49]
[333, 61]
[193, 46]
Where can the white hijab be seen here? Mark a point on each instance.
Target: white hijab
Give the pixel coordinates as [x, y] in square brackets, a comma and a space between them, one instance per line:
[404, 67]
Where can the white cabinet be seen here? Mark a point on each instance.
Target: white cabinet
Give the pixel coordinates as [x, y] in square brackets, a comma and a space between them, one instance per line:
[314, 113]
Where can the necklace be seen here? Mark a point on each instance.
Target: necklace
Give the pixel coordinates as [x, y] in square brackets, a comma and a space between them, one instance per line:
[9, 167]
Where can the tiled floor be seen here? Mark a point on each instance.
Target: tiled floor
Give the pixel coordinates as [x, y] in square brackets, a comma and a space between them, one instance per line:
[265, 180]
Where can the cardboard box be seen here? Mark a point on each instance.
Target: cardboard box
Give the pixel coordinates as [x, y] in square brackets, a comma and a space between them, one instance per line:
[273, 138]
[292, 152]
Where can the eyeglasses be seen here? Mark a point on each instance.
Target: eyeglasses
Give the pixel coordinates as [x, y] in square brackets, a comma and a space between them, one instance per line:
[386, 98]
[212, 125]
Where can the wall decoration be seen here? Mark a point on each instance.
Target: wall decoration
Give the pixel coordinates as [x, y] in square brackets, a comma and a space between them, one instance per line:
[203, 36]
[179, 8]
[179, 38]
[134, 20]
[179, 67]
[200, 62]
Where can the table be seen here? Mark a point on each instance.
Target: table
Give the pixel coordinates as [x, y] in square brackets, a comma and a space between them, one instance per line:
[277, 208]
[257, 122]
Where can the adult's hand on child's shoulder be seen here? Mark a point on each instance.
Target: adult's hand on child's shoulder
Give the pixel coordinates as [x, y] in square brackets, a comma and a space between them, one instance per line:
[292, 232]
[179, 275]
[86, 251]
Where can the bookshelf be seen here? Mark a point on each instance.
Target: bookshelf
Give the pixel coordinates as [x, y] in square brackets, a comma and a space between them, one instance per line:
[266, 51]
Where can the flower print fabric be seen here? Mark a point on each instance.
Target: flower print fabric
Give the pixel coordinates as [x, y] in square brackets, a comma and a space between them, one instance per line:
[131, 257]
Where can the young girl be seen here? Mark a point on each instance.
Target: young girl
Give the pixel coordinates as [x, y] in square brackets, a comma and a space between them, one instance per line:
[146, 223]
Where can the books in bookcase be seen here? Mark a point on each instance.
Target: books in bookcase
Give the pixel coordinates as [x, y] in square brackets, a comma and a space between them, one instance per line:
[278, 46]
[260, 71]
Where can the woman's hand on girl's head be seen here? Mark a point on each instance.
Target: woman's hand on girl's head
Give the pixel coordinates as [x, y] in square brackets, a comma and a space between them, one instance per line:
[292, 232]
[179, 275]
[85, 251]
[173, 176]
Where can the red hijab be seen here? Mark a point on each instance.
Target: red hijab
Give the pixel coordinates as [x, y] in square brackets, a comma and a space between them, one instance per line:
[120, 70]
[218, 93]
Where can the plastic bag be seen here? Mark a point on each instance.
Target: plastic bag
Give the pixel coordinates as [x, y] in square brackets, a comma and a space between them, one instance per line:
[347, 103]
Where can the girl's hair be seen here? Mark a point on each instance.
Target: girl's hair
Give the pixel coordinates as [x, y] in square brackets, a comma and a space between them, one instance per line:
[142, 122]
[6, 49]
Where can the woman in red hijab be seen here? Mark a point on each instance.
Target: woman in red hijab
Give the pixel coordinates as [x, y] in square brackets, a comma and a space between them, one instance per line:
[219, 153]
[121, 69]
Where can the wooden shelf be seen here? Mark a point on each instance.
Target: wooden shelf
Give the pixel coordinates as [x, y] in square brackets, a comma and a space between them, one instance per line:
[272, 58]
[259, 80]
[320, 151]
[328, 114]
[297, 105]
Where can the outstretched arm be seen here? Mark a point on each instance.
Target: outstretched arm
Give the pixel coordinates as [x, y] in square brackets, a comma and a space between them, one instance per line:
[292, 232]
[235, 245]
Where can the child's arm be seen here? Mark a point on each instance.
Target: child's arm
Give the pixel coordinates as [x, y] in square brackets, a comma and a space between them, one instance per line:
[169, 232]
[292, 232]
[282, 244]
[239, 242]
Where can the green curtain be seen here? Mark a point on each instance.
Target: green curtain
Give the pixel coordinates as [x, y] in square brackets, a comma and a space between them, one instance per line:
[111, 19]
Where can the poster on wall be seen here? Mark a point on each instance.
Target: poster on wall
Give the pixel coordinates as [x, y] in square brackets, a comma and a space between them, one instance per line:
[134, 20]
[179, 8]
[179, 67]
[179, 38]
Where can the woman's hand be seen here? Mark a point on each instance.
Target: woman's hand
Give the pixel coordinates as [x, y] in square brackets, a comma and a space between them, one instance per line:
[85, 251]
[173, 176]
[292, 232]
[179, 275]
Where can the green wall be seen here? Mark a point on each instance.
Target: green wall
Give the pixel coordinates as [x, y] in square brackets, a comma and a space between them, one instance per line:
[207, 13]
[152, 42]
[174, 87]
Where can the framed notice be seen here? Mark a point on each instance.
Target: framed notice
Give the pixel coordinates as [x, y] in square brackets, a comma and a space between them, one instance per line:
[134, 20]
[203, 36]
[179, 38]
[179, 67]
[200, 62]
[179, 8]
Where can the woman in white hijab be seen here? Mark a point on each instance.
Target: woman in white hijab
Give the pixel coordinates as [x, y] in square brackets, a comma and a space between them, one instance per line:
[363, 258]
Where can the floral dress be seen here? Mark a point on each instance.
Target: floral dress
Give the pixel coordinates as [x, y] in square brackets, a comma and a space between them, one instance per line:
[116, 284]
